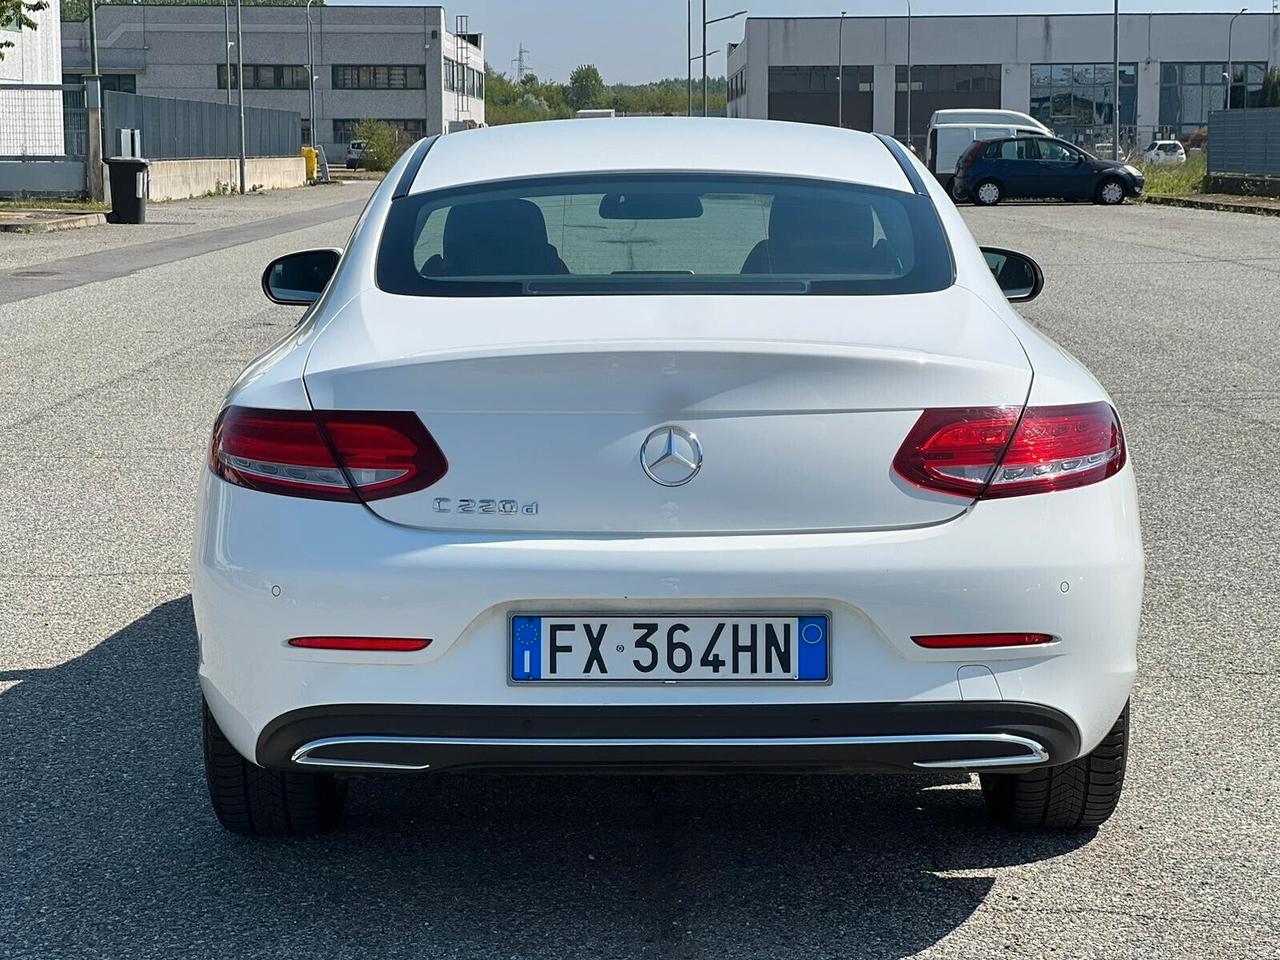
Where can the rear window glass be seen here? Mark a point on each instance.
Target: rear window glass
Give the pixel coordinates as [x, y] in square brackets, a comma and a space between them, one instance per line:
[663, 233]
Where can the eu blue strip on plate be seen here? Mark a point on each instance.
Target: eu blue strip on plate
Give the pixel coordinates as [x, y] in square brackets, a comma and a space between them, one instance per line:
[526, 648]
[812, 659]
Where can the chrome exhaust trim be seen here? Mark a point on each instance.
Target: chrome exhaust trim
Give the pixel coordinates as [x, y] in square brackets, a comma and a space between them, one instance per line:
[1035, 752]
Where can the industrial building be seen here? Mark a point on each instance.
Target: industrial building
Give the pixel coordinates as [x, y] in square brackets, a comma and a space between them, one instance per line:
[1058, 68]
[401, 64]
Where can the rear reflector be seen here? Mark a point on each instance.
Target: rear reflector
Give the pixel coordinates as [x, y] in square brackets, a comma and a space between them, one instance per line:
[325, 454]
[360, 643]
[951, 641]
[989, 452]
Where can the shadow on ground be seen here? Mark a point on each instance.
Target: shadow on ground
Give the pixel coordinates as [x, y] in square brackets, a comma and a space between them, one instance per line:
[110, 848]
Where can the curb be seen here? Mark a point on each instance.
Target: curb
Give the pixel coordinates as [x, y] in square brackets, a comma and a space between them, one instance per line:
[1229, 206]
[46, 221]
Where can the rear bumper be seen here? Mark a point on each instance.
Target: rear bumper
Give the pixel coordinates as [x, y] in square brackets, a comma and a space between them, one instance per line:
[268, 568]
[795, 737]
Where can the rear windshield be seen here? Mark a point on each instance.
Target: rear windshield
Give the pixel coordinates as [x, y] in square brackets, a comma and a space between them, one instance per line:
[663, 234]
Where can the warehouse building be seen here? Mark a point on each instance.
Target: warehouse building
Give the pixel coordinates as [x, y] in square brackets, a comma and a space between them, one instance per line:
[396, 63]
[1058, 68]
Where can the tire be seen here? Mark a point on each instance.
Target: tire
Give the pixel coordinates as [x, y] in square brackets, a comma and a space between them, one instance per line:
[1110, 192]
[987, 193]
[267, 803]
[1074, 796]
[352, 166]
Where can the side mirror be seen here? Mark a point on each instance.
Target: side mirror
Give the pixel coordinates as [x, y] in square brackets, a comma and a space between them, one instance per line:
[1018, 275]
[298, 279]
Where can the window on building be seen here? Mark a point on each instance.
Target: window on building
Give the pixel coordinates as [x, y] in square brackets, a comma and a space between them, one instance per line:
[265, 76]
[344, 131]
[941, 86]
[809, 94]
[374, 77]
[459, 78]
[738, 84]
[1076, 100]
[1188, 91]
[121, 82]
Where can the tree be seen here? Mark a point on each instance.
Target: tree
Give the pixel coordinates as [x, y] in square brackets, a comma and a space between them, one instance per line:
[586, 88]
[18, 13]
[1270, 95]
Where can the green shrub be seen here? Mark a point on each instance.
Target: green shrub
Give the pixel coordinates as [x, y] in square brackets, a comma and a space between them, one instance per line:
[1176, 179]
[383, 143]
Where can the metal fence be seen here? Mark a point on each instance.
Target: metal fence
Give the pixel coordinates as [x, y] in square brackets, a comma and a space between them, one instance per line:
[42, 121]
[191, 129]
[1245, 142]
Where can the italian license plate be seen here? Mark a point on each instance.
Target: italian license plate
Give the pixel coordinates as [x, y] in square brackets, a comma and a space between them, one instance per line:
[689, 648]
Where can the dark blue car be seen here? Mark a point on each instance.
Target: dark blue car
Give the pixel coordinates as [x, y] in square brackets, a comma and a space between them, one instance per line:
[993, 170]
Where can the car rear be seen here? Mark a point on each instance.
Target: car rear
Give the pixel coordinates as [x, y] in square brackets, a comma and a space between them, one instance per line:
[647, 512]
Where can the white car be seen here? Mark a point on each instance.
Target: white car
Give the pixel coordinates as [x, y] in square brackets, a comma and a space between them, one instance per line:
[1164, 151]
[670, 445]
[355, 153]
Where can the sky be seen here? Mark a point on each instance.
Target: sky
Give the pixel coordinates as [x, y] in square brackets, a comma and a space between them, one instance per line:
[632, 41]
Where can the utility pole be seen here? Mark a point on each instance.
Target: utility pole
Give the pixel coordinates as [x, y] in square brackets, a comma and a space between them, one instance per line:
[519, 62]
[840, 72]
[94, 185]
[240, 86]
[311, 80]
[1115, 81]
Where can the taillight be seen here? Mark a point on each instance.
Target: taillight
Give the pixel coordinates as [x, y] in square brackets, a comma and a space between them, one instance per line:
[383, 644]
[325, 454]
[993, 452]
[959, 641]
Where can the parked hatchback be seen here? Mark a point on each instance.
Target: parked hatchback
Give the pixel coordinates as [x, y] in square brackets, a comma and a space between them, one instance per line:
[1164, 151]
[1042, 167]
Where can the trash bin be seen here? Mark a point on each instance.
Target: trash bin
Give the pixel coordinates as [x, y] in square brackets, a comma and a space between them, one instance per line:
[309, 159]
[128, 189]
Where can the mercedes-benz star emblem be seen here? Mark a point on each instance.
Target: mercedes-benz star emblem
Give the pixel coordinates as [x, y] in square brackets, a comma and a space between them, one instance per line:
[671, 456]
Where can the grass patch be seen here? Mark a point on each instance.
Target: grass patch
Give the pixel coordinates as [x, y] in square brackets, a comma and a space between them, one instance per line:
[1176, 179]
[45, 203]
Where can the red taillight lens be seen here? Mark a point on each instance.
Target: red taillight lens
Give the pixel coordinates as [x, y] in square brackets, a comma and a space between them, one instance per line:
[992, 452]
[953, 641]
[325, 454]
[393, 644]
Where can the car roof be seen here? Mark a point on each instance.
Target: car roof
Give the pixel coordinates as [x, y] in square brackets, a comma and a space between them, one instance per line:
[658, 144]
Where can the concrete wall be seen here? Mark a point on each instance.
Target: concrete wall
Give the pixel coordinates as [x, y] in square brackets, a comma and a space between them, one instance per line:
[1015, 42]
[178, 179]
[41, 178]
[174, 51]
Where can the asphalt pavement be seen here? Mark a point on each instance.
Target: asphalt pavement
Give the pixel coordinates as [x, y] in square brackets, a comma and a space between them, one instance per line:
[116, 344]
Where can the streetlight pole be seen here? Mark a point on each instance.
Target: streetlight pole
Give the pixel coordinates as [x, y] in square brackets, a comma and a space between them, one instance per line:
[688, 37]
[311, 80]
[704, 57]
[1231, 67]
[93, 37]
[226, 25]
[240, 86]
[840, 72]
[909, 142]
[705, 53]
[1115, 82]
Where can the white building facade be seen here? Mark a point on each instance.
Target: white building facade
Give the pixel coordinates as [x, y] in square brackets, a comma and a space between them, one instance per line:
[401, 64]
[1058, 68]
[31, 120]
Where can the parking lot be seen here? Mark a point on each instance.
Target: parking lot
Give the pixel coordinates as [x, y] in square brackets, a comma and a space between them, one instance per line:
[116, 345]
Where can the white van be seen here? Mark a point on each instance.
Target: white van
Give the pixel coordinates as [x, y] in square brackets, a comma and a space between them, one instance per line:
[951, 132]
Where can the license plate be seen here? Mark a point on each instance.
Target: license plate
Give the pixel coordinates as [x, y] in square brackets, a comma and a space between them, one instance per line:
[690, 648]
